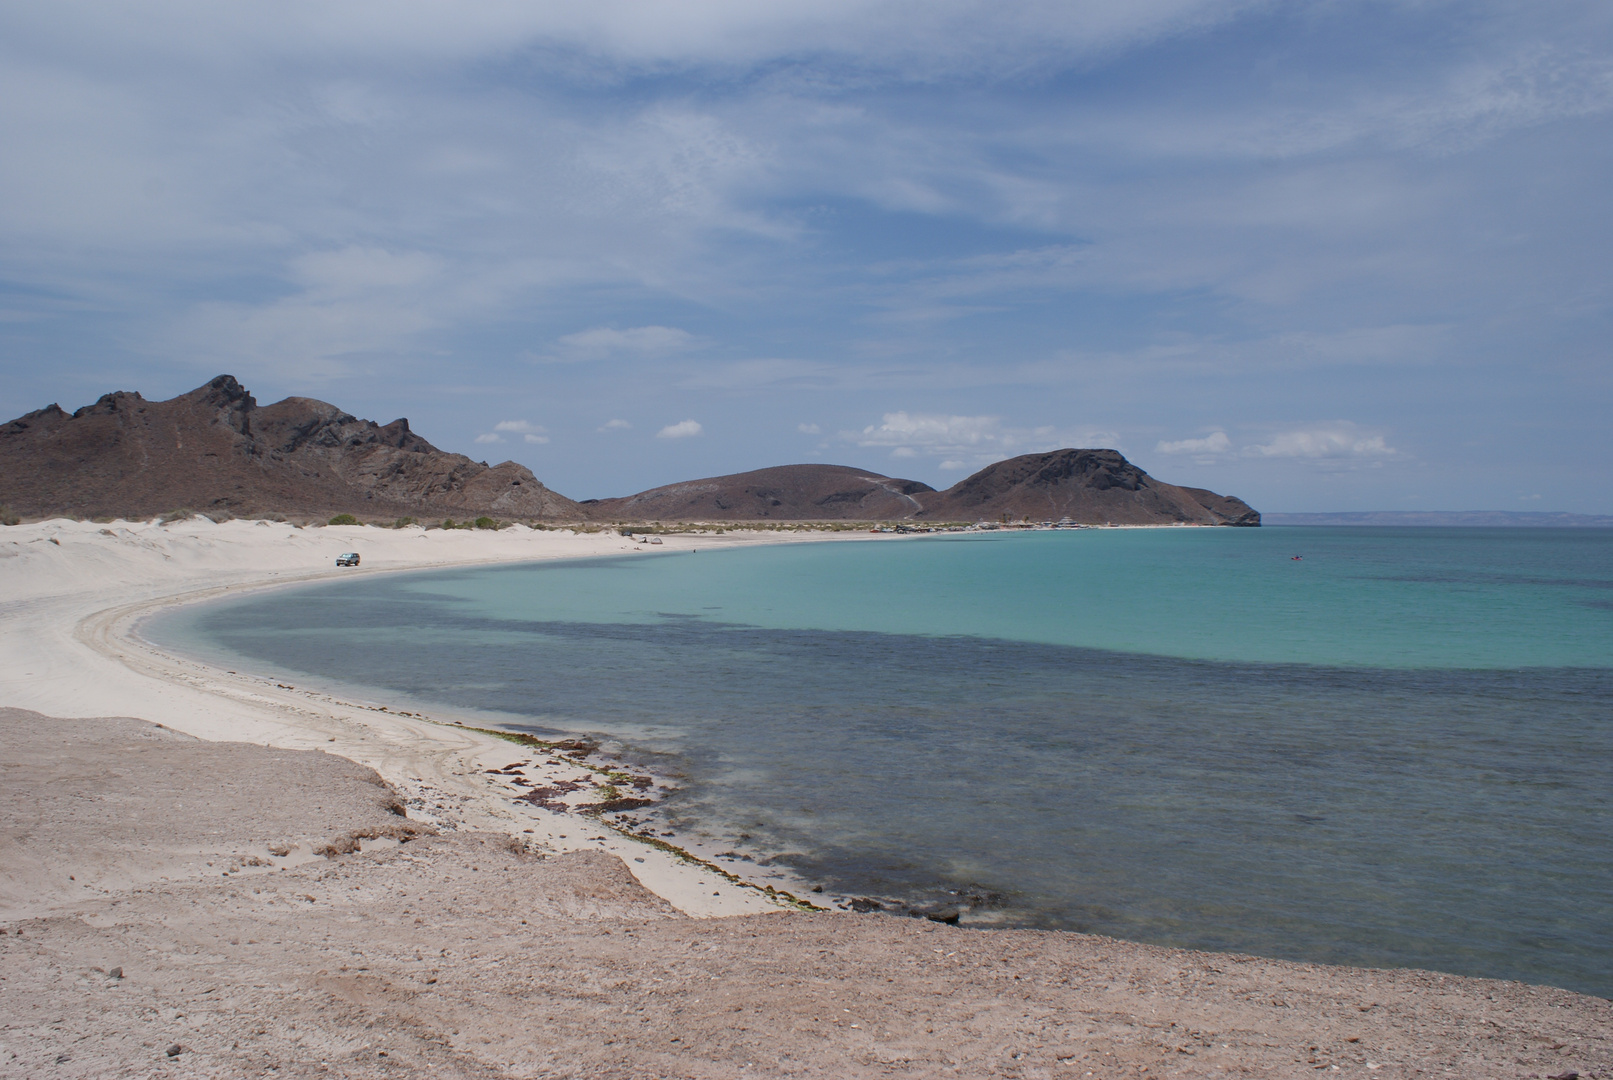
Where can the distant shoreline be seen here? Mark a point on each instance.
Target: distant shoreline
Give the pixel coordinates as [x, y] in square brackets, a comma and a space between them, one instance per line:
[1478, 519]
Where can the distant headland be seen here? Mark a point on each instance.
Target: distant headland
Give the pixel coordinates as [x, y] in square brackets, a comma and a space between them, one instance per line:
[1494, 519]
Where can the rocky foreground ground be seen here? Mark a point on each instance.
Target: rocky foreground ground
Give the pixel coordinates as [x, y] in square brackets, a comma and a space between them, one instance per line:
[152, 928]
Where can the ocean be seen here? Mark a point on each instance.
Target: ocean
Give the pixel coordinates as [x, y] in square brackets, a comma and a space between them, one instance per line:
[1391, 751]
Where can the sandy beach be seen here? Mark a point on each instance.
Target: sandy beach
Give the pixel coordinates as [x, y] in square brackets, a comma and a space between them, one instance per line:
[74, 592]
[282, 881]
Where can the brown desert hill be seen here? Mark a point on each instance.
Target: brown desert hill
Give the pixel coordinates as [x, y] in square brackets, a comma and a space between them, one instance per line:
[1087, 486]
[782, 493]
[1091, 487]
[214, 449]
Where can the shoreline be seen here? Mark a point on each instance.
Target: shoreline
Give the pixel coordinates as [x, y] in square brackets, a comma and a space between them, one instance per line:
[97, 664]
[447, 761]
[177, 898]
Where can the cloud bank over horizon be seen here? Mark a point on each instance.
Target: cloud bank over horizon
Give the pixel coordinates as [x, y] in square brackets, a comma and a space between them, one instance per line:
[1344, 256]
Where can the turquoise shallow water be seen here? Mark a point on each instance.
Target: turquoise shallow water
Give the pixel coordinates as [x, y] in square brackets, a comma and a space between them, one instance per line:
[1393, 751]
[1401, 598]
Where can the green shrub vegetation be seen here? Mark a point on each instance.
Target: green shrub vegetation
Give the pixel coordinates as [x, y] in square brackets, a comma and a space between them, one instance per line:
[403, 523]
[8, 518]
[487, 523]
[343, 519]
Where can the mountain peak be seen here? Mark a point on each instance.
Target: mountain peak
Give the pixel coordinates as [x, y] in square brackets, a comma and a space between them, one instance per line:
[215, 449]
[1093, 486]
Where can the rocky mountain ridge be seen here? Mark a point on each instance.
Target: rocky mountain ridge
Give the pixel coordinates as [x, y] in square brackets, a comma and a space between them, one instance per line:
[1088, 486]
[215, 450]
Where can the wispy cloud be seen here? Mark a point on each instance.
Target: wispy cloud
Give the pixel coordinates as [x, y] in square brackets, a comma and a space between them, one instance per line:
[769, 373]
[347, 307]
[529, 432]
[962, 440]
[1207, 450]
[1335, 442]
[1330, 445]
[832, 208]
[683, 429]
[602, 342]
[615, 425]
[1214, 443]
[626, 36]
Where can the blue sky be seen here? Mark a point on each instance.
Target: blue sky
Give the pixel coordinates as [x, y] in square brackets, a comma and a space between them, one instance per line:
[1322, 255]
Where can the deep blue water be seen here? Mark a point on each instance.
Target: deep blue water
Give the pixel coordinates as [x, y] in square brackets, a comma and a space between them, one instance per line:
[1394, 751]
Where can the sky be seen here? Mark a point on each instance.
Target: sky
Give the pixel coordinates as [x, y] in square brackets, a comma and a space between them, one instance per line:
[1322, 255]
